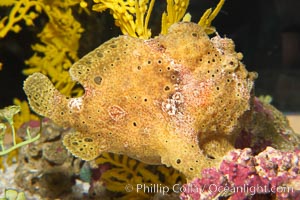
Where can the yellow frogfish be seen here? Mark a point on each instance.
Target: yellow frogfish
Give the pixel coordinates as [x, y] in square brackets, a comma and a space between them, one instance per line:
[178, 99]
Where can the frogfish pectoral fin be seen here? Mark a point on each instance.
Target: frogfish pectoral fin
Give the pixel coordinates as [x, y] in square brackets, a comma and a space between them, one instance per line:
[86, 147]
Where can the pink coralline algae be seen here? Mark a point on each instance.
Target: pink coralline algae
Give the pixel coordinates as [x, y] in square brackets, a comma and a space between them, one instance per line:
[272, 174]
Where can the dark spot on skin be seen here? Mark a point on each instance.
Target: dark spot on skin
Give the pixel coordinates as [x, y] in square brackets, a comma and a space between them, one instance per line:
[167, 88]
[100, 55]
[75, 143]
[194, 34]
[178, 161]
[113, 46]
[159, 62]
[88, 139]
[98, 80]
[134, 124]
[145, 100]
[139, 67]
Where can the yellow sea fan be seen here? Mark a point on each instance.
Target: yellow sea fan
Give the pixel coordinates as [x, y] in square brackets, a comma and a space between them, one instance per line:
[21, 10]
[131, 16]
[127, 173]
[59, 38]
[7, 2]
[24, 115]
[57, 50]
[176, 10]
[208, 16]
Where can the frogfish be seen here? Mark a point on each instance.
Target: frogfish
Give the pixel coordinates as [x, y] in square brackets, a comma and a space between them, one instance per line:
[178, 99]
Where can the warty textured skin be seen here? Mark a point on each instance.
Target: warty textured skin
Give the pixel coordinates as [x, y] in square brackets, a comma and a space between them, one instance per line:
[178, 99]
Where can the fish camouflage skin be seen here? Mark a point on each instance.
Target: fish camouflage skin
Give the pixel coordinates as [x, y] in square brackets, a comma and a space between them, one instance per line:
[177, 99]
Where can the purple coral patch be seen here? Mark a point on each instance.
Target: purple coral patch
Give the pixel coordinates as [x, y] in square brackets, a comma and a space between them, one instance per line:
[242, 175]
